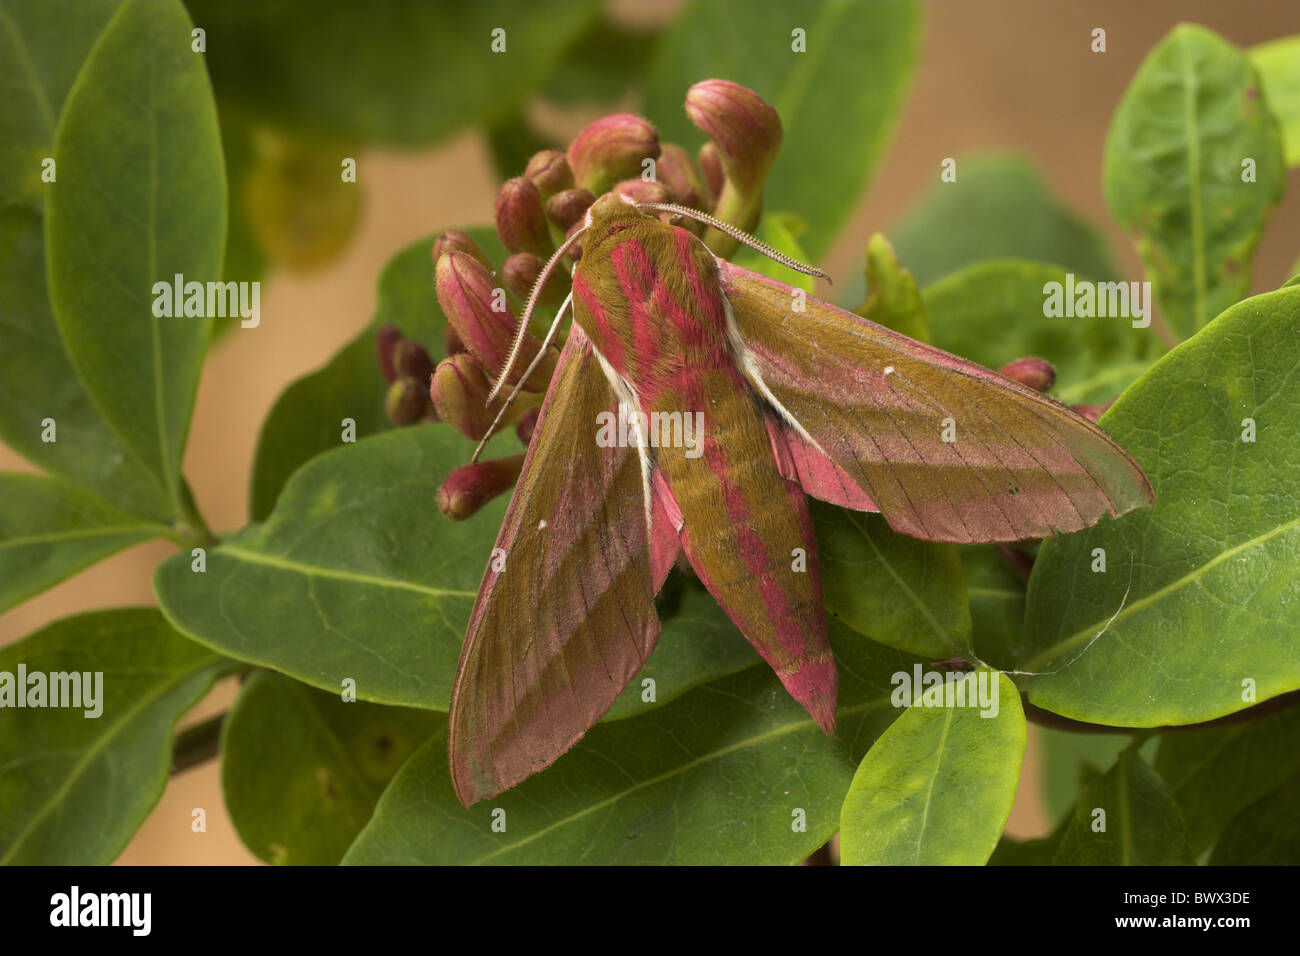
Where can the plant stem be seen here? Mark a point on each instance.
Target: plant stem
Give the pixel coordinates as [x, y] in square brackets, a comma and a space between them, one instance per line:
[197, 744]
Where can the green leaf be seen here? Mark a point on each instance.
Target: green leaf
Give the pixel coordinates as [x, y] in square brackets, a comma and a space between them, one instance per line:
[1125, 817]
[50, 529]
[397, 72]
[936, 788]
[837, 120]
[39, 390]
[140, 197]
[1200, 599]
[892, 297]
[42, 47]
[307, 418]
[357, 574]
[1278, 66]
[999, 208]
[602, 63]
[74, 788]
[993, 313]
[1266, 833]
[781, 231]
[915, 600]
[1215, 773]
[996, 597]
[301, 769]
[1174, 172]
[697, 643]
[718, 776]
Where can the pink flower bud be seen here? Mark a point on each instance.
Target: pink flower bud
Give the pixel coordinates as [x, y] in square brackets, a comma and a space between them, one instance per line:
[521, 220]
[676, 172]
[412, 361]
[454, 240]
[747, 134]
[549, 172]
[469, 488]
[610, 149]
[520, 273]
[459, 391]
[527, 424]
[567, 208]
[406, 402]
[642, 190]
[386, 341]
[1034, 373]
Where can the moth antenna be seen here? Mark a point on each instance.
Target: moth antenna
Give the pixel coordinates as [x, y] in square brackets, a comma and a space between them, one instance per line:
[528, 313]
[532, 367]
[738, 234]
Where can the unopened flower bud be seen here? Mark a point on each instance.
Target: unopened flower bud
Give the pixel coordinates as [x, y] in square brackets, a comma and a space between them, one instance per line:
[520, 273]
[612, 148]
[521, 220]
[549, 172]
[386, 341]
[567, 208]
[477, 309]
[676, 172]
[527, 424]
[455, 240]
[469, 488]
[643, 190]
[1035, 373]
[711, 167]
[459, 391]
[406, 402]
[747, 133]
[412, 361]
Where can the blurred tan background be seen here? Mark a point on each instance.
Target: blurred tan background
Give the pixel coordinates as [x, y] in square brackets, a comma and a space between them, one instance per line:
[992, 75]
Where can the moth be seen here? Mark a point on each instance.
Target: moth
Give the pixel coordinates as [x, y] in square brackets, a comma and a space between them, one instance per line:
[789, 403]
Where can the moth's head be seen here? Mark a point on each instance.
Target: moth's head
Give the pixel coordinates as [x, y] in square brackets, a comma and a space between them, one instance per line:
[609, 215]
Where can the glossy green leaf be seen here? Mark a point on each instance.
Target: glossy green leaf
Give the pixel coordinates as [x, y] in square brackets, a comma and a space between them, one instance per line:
[833, 140]
[399, 72]
[1278, 66]
[50, 529]
[73, 788]
[301, 769]
[307, 418]
[39, 390]
[42, 46]
[1175, 172]
[733, 772]
[140, 198]
[1196, 612]
[893, 299]
[1125, 817]
[1000, 207]
[1266, 833]
[357, 574]
[936, 788]
[1215, 773]
[900, 591]
[993, 313]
